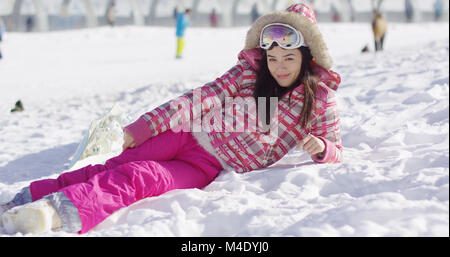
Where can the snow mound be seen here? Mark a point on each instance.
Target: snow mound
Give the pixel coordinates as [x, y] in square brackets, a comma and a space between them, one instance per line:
[394, 109]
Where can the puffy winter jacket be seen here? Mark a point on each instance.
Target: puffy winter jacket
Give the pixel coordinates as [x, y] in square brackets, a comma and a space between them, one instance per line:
[182, 24]
[247, 149]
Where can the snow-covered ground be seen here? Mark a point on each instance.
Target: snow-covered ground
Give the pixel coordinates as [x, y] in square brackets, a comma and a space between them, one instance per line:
[394, 109]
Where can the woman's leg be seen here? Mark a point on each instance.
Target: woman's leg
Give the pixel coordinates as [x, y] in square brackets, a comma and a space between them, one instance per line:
[83, 205]
[192, 167]
[113, 189]
[163, 147]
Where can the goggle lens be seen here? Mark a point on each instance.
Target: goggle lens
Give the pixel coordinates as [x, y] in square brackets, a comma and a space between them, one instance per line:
[285, 36]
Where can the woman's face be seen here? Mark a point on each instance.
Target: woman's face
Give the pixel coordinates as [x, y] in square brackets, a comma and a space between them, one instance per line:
[284, 65]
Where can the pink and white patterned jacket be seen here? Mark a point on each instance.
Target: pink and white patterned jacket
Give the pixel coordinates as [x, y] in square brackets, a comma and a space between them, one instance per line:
[247, 149]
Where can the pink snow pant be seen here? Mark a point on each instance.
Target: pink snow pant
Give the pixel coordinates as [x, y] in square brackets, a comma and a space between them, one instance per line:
[163, 163]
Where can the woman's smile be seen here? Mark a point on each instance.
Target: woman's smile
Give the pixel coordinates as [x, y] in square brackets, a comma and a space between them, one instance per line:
[283, 76]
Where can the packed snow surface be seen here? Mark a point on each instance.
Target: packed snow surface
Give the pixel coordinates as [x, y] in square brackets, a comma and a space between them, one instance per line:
[394, 109]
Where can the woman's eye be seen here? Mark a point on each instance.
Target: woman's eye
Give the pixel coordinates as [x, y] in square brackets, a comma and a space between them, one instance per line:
[272, 60]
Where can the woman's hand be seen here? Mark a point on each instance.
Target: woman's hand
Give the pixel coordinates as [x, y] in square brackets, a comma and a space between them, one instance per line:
[128, 140]
[312, 145]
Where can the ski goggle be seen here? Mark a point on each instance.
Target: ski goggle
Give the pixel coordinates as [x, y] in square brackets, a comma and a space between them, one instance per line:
[286, 36]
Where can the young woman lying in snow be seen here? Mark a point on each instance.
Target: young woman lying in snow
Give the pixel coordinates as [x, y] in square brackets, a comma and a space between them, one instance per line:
[283, 75]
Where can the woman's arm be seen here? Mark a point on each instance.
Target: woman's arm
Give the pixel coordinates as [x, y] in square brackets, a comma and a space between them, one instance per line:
[128, 140]
[186, 108]
[326, 127]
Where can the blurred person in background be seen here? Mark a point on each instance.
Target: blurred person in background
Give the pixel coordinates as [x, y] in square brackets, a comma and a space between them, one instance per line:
[110, 13]
[409, 10]
[352, 10]
[438, 9]
[182, 24]
[30, 24]
[213, 18]
[254, 12]
[379, 28]
[2, 29]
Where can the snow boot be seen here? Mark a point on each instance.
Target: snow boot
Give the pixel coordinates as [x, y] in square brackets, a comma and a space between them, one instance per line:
[35, 217]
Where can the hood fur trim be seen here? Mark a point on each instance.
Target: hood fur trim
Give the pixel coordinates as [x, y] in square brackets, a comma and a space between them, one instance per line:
[310, 31]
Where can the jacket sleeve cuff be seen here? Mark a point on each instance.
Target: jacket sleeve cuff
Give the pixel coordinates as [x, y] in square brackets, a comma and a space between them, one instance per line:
[139, 130]
[329, 152]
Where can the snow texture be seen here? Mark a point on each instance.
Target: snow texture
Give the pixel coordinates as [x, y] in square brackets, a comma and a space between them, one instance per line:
[394, 109]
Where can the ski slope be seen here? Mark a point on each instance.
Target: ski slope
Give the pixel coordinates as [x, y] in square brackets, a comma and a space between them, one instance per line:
[394, 109]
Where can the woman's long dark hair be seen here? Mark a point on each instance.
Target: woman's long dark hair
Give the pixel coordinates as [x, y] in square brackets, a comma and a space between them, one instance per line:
[266, 86]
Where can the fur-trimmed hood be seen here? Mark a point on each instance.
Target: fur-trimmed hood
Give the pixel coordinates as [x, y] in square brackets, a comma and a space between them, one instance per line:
[302, 18]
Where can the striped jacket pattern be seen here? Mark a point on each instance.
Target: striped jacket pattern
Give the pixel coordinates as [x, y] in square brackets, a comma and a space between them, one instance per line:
[220, 115]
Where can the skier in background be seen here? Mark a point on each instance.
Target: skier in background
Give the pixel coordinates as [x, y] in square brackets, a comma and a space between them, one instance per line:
[409, 10]
[335, 13]
[352, 11]
[2, 29]
[438, 9]
[182, 23]
[110, 14]
[254, 12]
[379, 28]
[30, 24]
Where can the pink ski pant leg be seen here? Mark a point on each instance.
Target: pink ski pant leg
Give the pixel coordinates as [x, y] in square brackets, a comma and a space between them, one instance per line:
[166, 162]
[111, 190]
